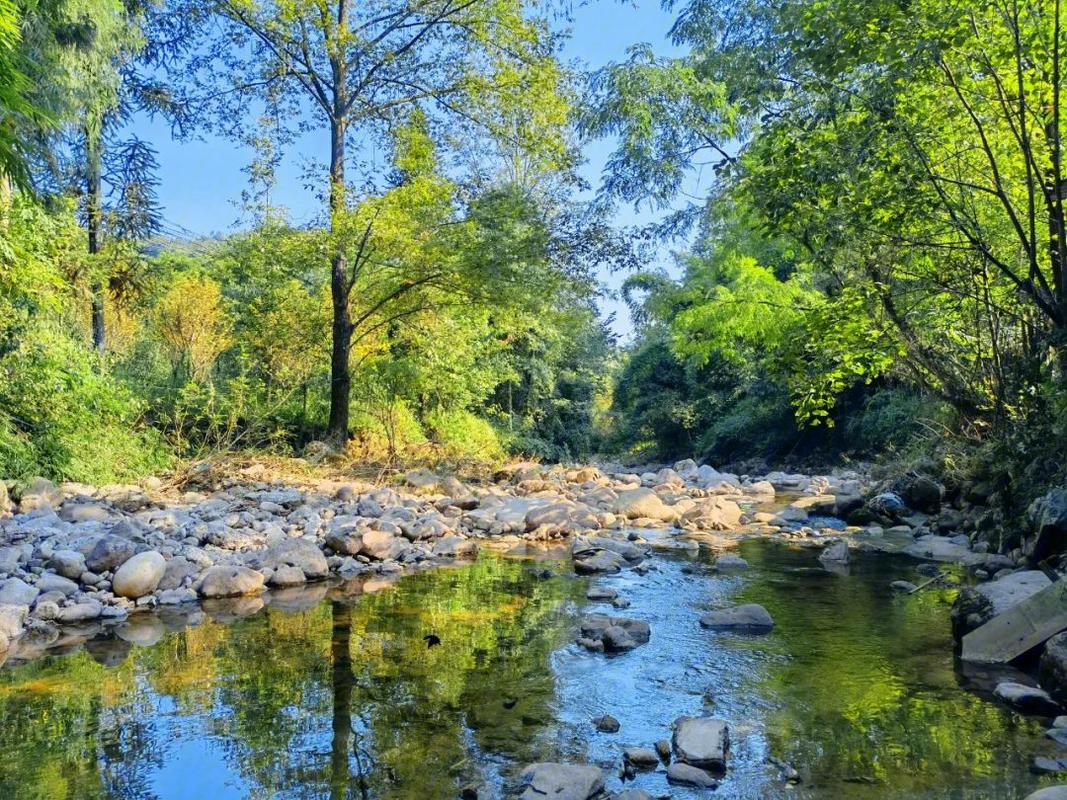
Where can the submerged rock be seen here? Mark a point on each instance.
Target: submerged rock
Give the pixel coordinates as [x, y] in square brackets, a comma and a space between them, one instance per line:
[748, 618]
[835, 553]
[1027, 699]
[561, 782]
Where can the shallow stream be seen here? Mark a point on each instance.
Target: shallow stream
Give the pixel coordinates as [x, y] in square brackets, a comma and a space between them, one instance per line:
[337, 694]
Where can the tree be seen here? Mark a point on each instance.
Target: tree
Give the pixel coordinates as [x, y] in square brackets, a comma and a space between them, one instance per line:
[354, 70]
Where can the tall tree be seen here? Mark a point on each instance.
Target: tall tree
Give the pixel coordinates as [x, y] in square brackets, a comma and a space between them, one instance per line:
[352, 70]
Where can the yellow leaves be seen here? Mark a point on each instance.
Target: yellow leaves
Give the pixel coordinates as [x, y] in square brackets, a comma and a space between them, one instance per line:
[192, 323]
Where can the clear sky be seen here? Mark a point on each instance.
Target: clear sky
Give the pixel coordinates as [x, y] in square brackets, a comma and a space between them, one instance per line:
[201, 181]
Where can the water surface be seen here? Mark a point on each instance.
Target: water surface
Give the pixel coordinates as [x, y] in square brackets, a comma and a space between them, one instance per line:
[338, 695]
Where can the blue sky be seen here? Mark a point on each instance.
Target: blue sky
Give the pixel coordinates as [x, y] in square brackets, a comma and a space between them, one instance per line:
[201, 181]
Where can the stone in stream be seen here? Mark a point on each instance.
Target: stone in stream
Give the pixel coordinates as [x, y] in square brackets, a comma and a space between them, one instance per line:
[902, 586]
[748, 618]
[1027, 699]
[730, 562]
[1049, 793]
[601, 593]
[701, 742]
[606, 724]
[561, 782]
[687, 775]
[976, 605]
[617, 634]
[663, 750]
[139, 575]
[643, 503]
[835, 553]
[633, 794]
[287, 576]
[640, 757]
[599, 561]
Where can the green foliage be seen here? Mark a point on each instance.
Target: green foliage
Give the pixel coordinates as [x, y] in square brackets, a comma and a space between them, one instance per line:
[463, 438]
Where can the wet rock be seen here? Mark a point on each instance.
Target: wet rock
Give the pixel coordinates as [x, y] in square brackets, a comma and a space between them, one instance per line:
[601, 593]
[944, 548]
[641, 757]
[663, 750]
[631, 552]
[748, 618]
[1053, 668]
[1027, 699]
[1048, 516]
[139, 575]
[1049, 793]
[596, 645]
[617, 639]
[16, 592]
[606, 724]
[682, 774]
[626, 633]
[701, 742]
[561, 782]
[976, 605]
[109, 553]
[730, 562]
[902, 586]
[229, 581]
[835, 553]
[68, 563]
[595, 562]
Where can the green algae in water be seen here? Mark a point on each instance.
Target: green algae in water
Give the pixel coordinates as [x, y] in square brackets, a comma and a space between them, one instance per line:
[856, 687]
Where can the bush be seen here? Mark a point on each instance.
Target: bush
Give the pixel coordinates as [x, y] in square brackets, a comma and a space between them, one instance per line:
[464, 438]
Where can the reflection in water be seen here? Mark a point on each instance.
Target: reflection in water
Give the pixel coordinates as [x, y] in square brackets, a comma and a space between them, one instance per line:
[335, 694]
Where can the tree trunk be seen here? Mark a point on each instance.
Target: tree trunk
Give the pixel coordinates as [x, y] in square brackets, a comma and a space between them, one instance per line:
[340, 373]
[93, 219]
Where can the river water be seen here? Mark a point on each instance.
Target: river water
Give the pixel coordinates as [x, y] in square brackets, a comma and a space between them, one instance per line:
[336, 693]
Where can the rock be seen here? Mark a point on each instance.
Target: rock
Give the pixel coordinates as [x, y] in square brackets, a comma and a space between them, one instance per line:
[382, 546]
[606, 724]
[561, 782]
[79, 612]
[1048, 515]
[599, 561]
[455, 547]
[687, 775]
[714, 514]
[641, 757]
[617, 639]
[16, 592]
[943, 548]
[976, 605]
[701, 742]
[643, 503]
[633, 794]
[178, 570]
[730, 562]
[229, 581]
[12, 620]
[109, 553]
[56, 583]
[748, 618]
[344, 542]
[1049, 793]
[423, 479]
[1027, 699]
[921, 493]
[287, 576]
[835, 553]
[628, 550]
[595, 626]
[300, 553]
[888, 505]
[1048, 766]
[68, 563]
[139, 575]
[902, 586]
[601, 593]
[1053, 668]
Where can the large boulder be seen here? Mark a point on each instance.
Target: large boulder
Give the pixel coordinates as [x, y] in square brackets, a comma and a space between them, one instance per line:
[230, 581]
[643, 503]
[1053, 668]
[561, 782]
[596, 561]
[921, 493]
[701, 742]
[382, 546]
[976, 605]
[617, 634]
[139, 575]
[714, 514]
[748, 618]
[1048, 515]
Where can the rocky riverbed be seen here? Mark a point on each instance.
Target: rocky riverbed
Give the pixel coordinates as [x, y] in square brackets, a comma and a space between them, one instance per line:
[77, 561]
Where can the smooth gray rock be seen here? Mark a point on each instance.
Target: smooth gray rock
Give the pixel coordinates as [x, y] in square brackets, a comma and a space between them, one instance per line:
[139, 575]
[641, 757]
[561, 782]
[109, 553]
[701, 742]
[68, 563]
[643, 503]
[80, 612]
[287, 576]
[56, 583]
[300, 553]
[599, 561]
[1049, 793]
[748, 618]
[16, 592]
[606, 724]
[730, 562]
[1027, 699]
[683, 774]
